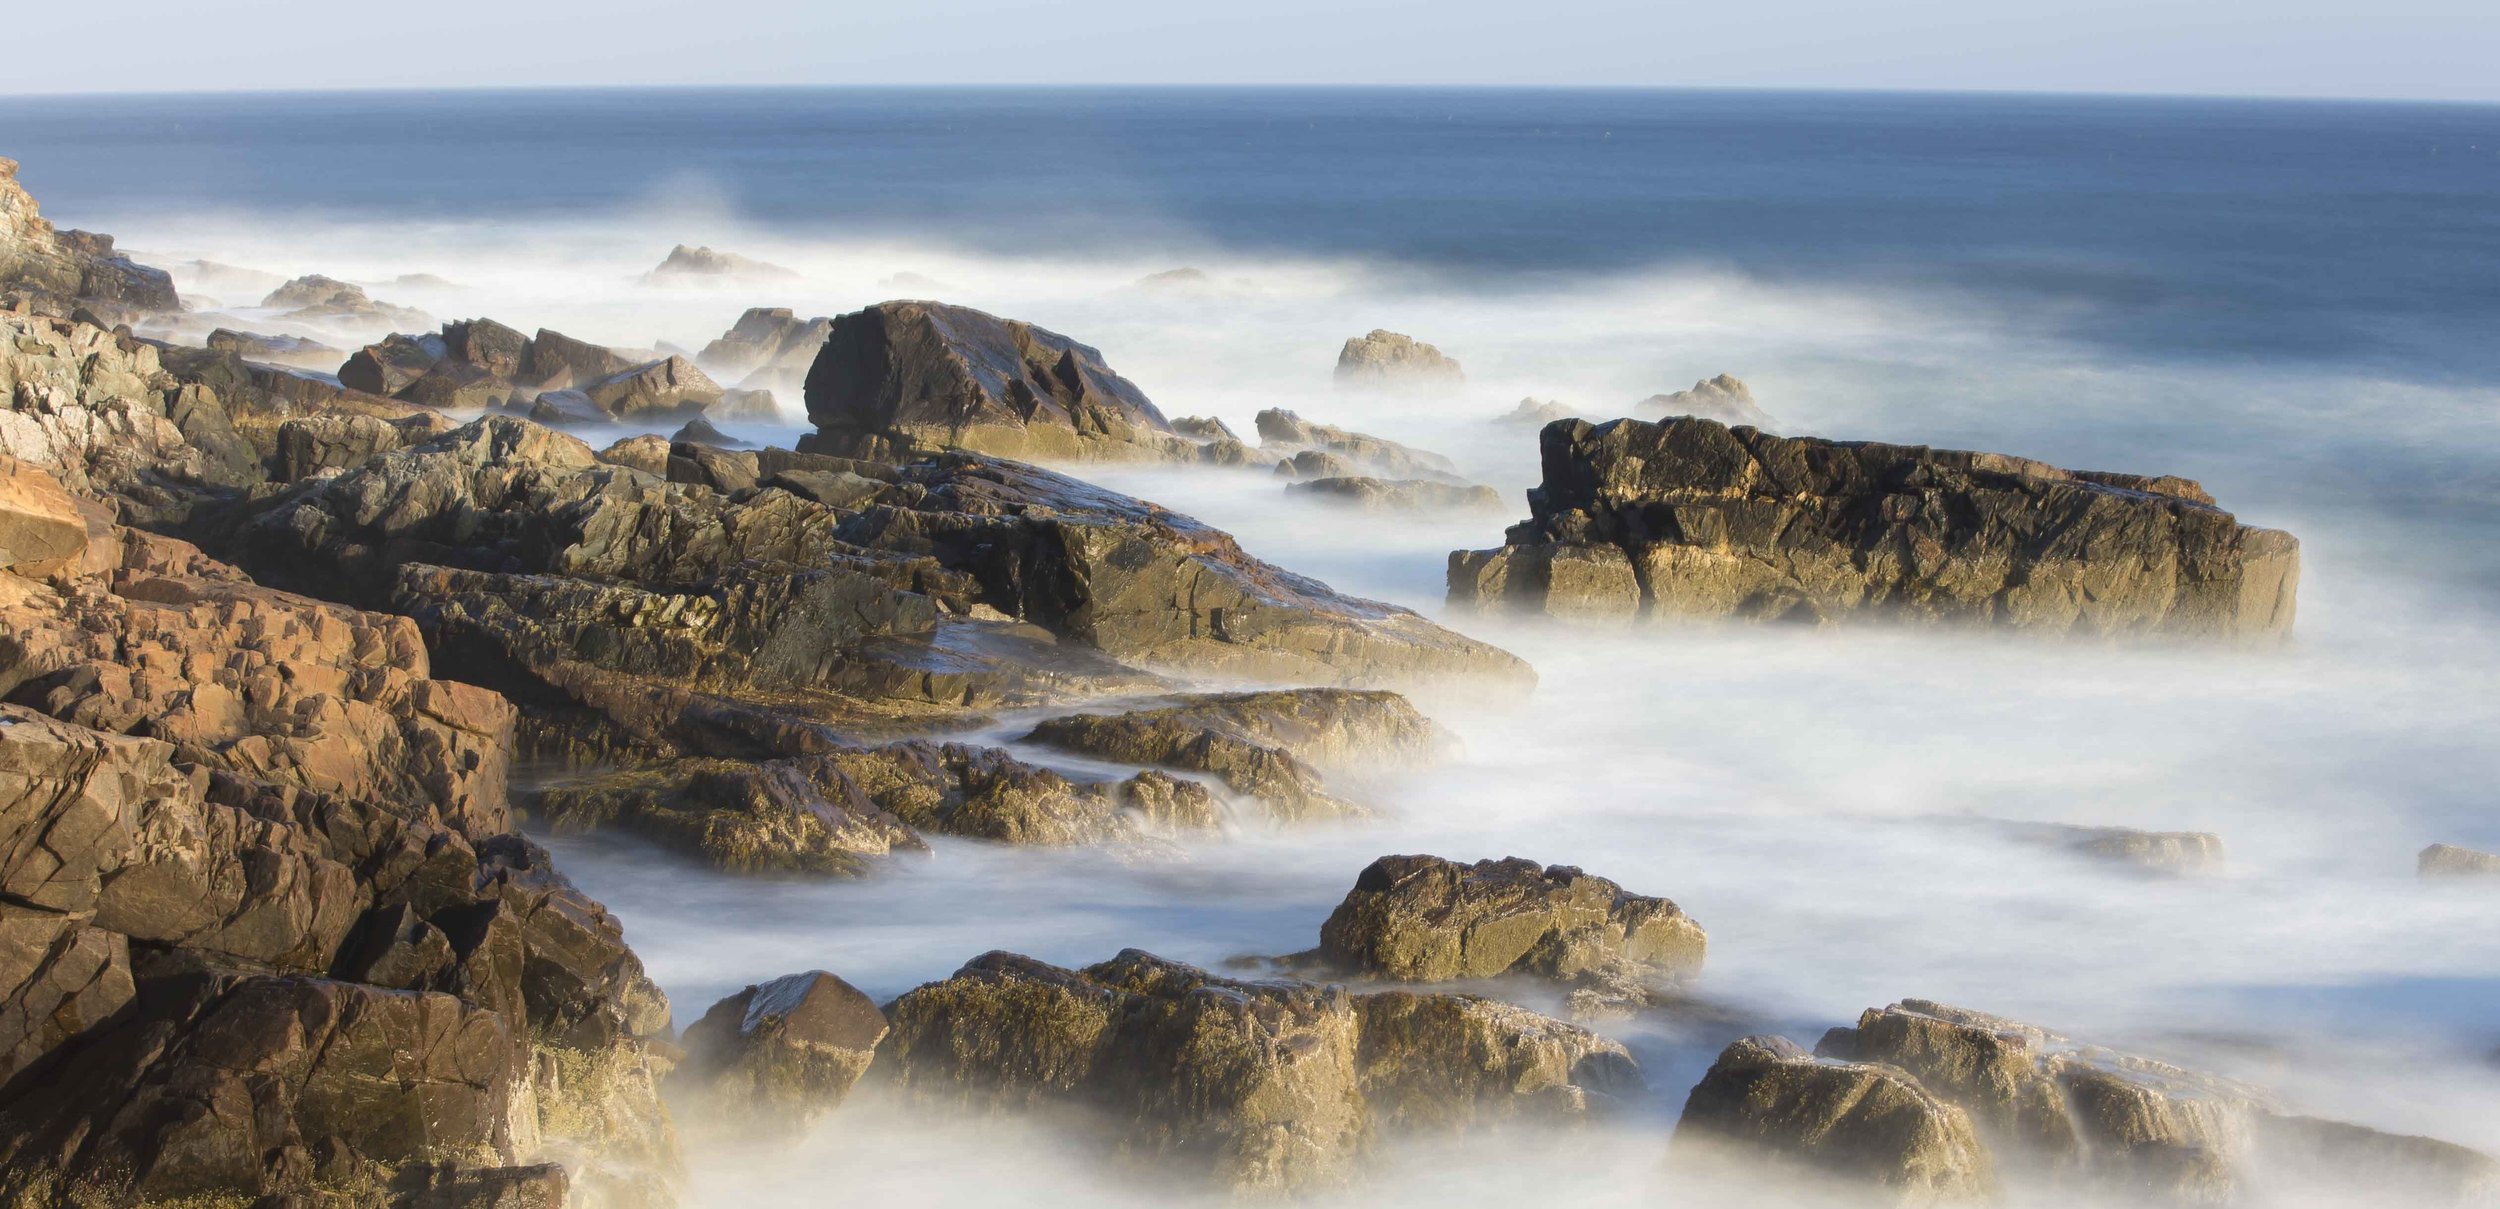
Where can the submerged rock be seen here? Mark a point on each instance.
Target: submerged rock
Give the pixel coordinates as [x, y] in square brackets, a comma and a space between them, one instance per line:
[2448, 860]
[317, 298]
[1689, 518]
[1766, 1099]
[1426, 919]
[1388, 359]
[1401, 495]
[1538, 412]
[903, 376]
[1257, 1086]
[775, 1056]
[1725, 399]
[2152, 851]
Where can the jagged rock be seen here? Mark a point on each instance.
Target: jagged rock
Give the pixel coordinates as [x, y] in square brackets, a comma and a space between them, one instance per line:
[308, 445]
[1258, 743]
[392, 365]
[684, 264]
[775, 1056]
[1400, 495]
[1283, 432]
[1689, 518]
[1425, 919]
[769, 347]
[71, 266]
[1860, 1122]
[555, 361]
[2152, 851]
[901, 376]
[2448, 860]
[781, 816]
[1259, 1086]
[1539, 412]
[41, 530]
[671, 386]
[1725, 399]
[1387, 359]
[699, 431]
[98, 411]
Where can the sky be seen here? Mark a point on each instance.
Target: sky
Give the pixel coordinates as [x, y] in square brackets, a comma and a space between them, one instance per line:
[2426, 49]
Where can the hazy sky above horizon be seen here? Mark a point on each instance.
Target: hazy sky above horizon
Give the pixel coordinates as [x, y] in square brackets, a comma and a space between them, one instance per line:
[2431, 49]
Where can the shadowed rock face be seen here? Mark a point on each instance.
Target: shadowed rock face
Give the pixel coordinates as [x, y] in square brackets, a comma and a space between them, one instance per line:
[776, 1055]
[1690, 518]
[1425, 919]
[1928, 1099]
[901, 376]
[1258, 1086]
[1858, 1122]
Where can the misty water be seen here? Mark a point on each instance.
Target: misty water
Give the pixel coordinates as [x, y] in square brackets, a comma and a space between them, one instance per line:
[1832, 805]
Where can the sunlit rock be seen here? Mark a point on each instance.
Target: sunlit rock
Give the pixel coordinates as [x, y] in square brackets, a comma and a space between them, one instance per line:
[1694, 519]
[1387, 360]
[1767, 1101]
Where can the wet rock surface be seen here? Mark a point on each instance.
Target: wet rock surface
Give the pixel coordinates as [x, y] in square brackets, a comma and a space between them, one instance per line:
[1261, 1087]
[1690, 518]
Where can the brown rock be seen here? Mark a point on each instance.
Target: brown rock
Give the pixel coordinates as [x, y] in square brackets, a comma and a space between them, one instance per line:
[775, 1056]
[1858, 1122]
[1388, 359]
[41, 530]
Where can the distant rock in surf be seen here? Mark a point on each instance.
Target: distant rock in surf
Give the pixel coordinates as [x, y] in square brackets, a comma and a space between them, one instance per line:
[1535, 412]
[2448, 860]
[1388, 360]
[1690, 518]
[1396, 495]
[768, 348]
[687, 265]
[1181, 282]
[1282, 432]
[318, 299]
[915, 281]
[2184, 852]
[1724, 398]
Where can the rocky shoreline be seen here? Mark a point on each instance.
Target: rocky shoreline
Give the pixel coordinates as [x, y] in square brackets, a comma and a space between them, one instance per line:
[275, 642]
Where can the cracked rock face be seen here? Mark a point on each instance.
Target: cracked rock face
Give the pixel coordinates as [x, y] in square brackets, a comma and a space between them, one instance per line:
[1690, 518]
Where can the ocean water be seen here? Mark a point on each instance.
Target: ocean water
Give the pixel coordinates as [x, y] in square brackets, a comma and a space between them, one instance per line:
[2292, 302]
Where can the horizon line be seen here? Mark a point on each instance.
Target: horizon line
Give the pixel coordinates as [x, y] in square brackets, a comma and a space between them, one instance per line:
[1202, 86]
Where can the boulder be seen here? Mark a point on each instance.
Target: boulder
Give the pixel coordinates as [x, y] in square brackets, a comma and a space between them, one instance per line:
[1261, 1087]
[685, 265]
[1204, 428]
[775, 1056]
[2448, 860]
[1425, 919]
[1283, 433]
[71, 267]
[902, 376]
[392, 365]
[1862, 1123]
[768, 347]
[1314, 464]
[41, 529]
[670, 386]
[1690, 518]
[1386, 359]
[555, 361]
[699, 431]
[1725, 399]
[1399, 495]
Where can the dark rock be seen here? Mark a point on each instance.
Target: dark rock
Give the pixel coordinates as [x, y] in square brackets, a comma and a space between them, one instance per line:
[699, 431]
[1692, 518]
[774, 1057]
[902, 376]
[1387, 359]
[391, 366]
[555, 361]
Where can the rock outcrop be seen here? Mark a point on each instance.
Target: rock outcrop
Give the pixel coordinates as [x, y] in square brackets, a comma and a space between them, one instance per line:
[1928, 1099]
[1725, 399]
[1859, 1122]
[479, 364]
[1261, 1087]
[100, 412]
[1426, 919]
[329, 301]
[684, 265]
[910, 376]
[268, 931]
[59, 271]
[1690, 518]
[1386, 359]
[1397, 495]
[769, 348]
[772, 1058]
[2448, 860]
